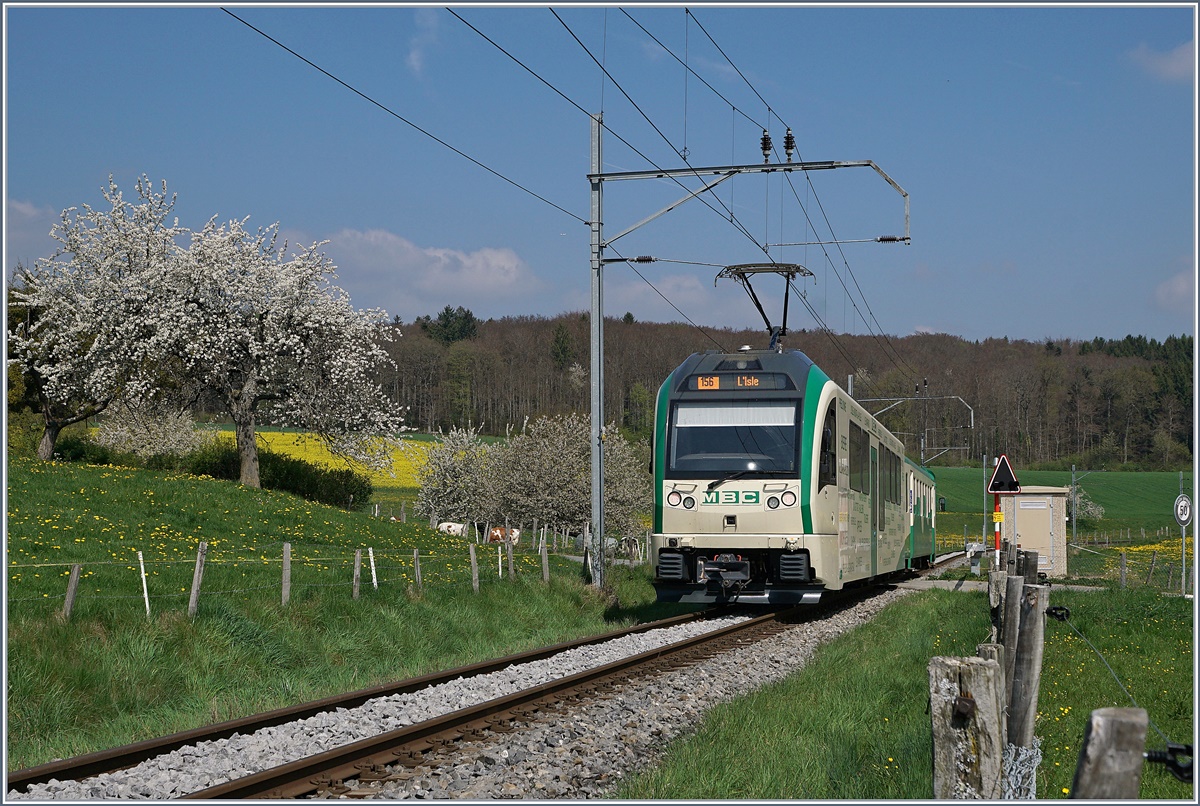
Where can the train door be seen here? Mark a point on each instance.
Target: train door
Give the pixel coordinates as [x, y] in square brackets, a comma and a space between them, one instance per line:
[875, 506]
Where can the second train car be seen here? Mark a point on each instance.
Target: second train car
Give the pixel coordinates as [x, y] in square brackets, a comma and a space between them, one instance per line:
[773, 485]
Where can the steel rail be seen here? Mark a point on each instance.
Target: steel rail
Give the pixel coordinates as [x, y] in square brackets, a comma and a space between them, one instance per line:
[118, 758]
[307, 775]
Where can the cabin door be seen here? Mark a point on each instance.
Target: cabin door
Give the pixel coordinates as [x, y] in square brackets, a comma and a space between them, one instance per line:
[874, 507]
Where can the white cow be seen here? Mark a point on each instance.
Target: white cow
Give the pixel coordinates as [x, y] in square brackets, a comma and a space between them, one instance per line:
[454, 529]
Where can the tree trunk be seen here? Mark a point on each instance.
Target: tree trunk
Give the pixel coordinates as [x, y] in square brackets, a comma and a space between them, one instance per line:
[243, 423]
[45, 450]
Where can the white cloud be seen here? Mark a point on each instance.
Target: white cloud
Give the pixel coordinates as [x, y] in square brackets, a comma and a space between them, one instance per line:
[1177, 294]
[1178, 64]
[27, 232]
[383, 270]
[425, 37]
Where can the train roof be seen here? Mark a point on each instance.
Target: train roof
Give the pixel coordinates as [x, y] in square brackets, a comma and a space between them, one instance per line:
[792, 362]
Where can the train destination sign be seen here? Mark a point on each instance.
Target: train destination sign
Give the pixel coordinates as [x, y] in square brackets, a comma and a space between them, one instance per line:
[739, 382]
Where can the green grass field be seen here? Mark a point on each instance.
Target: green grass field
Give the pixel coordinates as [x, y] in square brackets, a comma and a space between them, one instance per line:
[1131, 500]
[112, 675]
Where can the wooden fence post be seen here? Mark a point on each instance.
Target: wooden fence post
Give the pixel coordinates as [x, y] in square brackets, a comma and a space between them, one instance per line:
[417, 567]
[996, 582]
[1110, 761]
[357, 571]
[1153, 557]
[287, 572]
[72, 588]
[508, 551]
[1031, 567]
[545, 563]
[197, 575]
[371, 557]
[1124, 563]
[474, 568]
[1012, 628]
[995, 651]
[967, 714]
[145, 592]
[1027, 675]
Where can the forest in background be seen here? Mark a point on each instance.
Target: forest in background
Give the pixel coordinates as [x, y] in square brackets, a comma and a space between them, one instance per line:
[1104, 403]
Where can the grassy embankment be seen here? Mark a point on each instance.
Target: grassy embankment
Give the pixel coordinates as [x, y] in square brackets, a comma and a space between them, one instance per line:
[112, 676]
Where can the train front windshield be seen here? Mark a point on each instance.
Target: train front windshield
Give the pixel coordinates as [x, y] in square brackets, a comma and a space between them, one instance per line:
[716, 438]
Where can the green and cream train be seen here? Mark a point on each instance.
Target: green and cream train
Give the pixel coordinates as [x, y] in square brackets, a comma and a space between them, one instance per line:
[773, 485]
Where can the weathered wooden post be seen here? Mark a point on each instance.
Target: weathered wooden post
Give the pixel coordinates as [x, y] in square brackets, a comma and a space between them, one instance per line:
[967, 714]
[508, 550]
[72, 588]
[1031, 567]
[1110, 761]
[1012, 628]
[357, 571]
[197, 575]
[545, 562]
[995, 651]
[474, 568]
[287, 572]
[417, 567]
[1124, 562]
[371, 557]
[1027, 676]
[1153, 558]
[996, 583]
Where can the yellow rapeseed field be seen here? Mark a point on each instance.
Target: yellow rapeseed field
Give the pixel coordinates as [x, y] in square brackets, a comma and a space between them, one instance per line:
[406, 459]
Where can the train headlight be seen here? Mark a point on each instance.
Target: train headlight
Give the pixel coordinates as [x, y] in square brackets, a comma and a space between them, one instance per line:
[674, 498]
[789, 499]
[772, 503]
[689, 502]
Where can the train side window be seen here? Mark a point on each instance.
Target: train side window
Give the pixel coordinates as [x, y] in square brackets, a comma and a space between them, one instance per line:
[827, 472]
[859, 456]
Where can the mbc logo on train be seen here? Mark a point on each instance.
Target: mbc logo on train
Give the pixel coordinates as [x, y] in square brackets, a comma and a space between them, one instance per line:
[727, 497]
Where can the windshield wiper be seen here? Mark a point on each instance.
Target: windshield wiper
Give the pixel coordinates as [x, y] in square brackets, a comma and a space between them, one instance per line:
[712, 485]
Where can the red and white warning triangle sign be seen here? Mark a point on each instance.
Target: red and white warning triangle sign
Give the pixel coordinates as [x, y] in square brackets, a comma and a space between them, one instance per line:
[1004, 480]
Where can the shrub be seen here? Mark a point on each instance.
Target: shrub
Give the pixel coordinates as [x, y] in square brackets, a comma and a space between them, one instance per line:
[23, 433]
[78, 448]
[339, 488]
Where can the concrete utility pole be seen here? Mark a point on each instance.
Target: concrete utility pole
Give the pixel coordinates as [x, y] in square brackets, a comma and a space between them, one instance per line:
[710, 177]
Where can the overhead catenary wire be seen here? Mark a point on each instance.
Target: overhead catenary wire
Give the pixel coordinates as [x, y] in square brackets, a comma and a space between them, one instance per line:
[894, 355]
[408, 122]
[732, 218]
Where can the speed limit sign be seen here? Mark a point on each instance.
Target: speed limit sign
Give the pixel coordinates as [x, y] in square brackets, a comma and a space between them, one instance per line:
[1183, 510]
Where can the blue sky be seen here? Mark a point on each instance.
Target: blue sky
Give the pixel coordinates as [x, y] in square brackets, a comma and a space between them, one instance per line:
[1049, 153]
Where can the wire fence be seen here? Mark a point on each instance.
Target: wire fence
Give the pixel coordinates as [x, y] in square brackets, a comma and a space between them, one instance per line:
[274, 572]
[1118, 558]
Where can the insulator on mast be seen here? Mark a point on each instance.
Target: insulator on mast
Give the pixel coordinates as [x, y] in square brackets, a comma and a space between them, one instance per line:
[789, 144]
[766, 146]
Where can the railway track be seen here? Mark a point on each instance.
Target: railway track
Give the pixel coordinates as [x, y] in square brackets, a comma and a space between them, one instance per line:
[383, 757]
[119, 758]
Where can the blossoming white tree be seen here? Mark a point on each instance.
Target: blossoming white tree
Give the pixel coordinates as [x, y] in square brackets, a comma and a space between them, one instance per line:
[263, 330]
[85, 331]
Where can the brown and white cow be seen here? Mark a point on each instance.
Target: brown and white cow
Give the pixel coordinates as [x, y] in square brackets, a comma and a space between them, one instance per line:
[502, 534]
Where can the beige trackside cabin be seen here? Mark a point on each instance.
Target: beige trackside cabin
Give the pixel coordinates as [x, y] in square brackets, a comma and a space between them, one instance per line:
[1039, 517]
